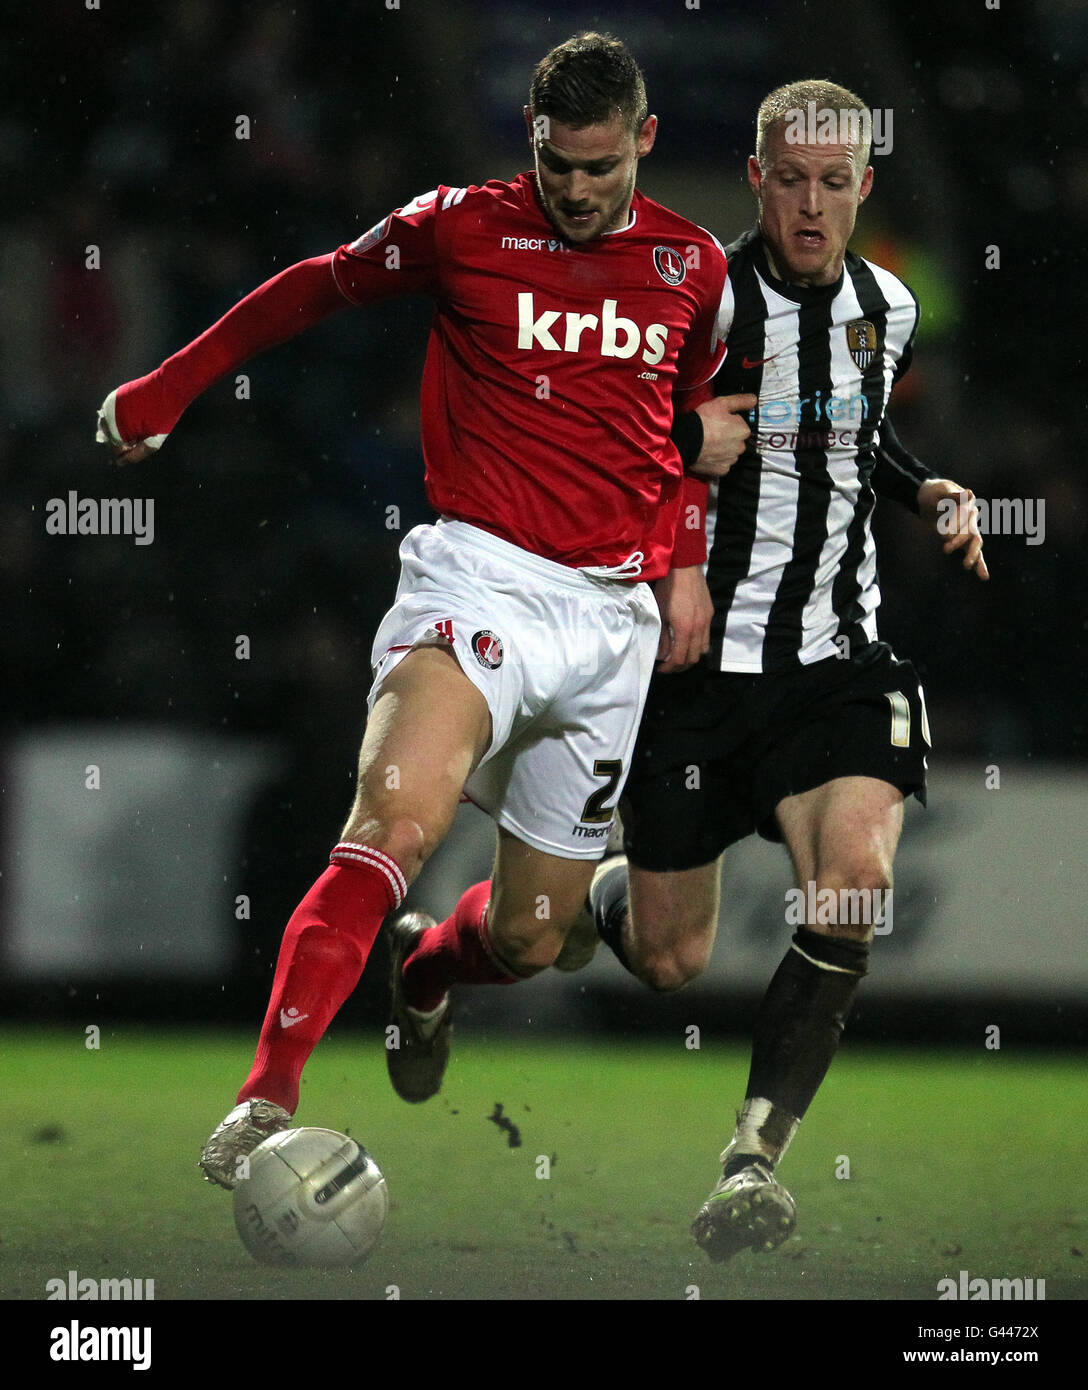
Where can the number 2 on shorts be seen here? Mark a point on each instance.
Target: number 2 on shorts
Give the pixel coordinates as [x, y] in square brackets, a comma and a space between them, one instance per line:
[595, 812]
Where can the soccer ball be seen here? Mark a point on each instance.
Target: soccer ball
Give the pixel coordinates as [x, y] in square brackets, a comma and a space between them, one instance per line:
[312, 1197]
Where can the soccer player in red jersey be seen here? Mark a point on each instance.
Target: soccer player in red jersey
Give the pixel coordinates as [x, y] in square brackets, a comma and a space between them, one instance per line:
[569, 312]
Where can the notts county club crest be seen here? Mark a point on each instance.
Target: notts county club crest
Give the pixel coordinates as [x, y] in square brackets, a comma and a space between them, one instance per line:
[861, 340]
[670, 264]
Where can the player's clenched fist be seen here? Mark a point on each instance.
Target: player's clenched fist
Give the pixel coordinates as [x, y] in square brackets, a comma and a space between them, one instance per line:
[725, 434]
[123, 451]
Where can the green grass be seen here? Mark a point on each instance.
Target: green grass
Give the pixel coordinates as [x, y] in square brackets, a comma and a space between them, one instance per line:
[945, 1150]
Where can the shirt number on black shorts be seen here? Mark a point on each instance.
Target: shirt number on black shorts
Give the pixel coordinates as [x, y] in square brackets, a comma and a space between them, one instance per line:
[595, 812]
[901, 718]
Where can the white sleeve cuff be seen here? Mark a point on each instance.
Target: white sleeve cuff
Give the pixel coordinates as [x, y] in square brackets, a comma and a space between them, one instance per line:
[106, 432]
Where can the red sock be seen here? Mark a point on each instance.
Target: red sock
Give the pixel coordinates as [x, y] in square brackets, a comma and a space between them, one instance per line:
[456, 951]
[324, 949]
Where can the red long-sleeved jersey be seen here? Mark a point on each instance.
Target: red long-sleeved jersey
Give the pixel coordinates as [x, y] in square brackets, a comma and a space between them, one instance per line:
[551, 373]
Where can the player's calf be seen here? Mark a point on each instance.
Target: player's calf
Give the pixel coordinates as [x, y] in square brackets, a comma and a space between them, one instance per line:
[535, 899]
[324, 949]
[428, 959]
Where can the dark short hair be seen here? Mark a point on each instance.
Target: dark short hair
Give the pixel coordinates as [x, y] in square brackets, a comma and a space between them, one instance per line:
[589, 80]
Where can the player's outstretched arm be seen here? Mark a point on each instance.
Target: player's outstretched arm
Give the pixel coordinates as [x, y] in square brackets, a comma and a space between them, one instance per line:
[135, 419]
[953, 513]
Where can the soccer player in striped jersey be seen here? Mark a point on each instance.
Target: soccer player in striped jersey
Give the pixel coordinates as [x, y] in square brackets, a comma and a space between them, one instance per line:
[798, 723]
[569, 311]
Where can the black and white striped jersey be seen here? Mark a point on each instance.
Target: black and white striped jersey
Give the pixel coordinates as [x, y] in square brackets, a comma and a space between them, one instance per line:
[791, 562]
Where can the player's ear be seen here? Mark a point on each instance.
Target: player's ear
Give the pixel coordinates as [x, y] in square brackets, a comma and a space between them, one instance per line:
[537, 127]
[866, 183]
[644, 142]
[755, 175]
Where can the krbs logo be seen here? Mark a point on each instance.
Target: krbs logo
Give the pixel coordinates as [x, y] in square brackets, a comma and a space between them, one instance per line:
[619, 336]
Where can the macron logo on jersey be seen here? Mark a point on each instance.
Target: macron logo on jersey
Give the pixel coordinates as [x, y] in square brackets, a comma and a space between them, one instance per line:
[619, 337]
[533, 243]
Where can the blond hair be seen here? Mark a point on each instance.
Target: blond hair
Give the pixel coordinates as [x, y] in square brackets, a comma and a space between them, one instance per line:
[813, 93]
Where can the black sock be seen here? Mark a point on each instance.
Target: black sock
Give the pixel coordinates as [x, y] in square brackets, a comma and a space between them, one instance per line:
[737, 1161]
[802, 1016]
[608, 903]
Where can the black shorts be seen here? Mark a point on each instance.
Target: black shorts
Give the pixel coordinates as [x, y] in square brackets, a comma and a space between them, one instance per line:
[718, 750]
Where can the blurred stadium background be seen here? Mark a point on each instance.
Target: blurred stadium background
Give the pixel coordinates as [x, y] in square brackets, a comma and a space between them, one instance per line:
[158, 898]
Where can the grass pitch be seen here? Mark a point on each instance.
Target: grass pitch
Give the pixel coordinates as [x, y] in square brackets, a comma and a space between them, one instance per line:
[99, 1147]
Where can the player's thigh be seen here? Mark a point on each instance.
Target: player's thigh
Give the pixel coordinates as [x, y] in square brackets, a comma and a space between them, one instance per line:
[688, 795]
[428, 729]
[555, 785]
[674, 915]
[535, 896]
[848, 742]
[843, 833]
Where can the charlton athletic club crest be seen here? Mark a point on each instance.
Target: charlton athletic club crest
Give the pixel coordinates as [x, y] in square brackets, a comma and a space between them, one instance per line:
[487, 649]
[670, 264]
[861, 340]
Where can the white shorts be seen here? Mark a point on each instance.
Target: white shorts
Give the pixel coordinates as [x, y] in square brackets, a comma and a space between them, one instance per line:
[563, 660]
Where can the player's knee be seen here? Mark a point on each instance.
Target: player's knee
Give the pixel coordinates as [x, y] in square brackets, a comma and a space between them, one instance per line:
[403, 838]
[525, 948]
[668, 969]
[859, 898]
[873, 876]
[669, 944]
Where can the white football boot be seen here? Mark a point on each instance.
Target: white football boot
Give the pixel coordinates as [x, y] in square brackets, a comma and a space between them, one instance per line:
[245, 1127]
[749, 1211]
